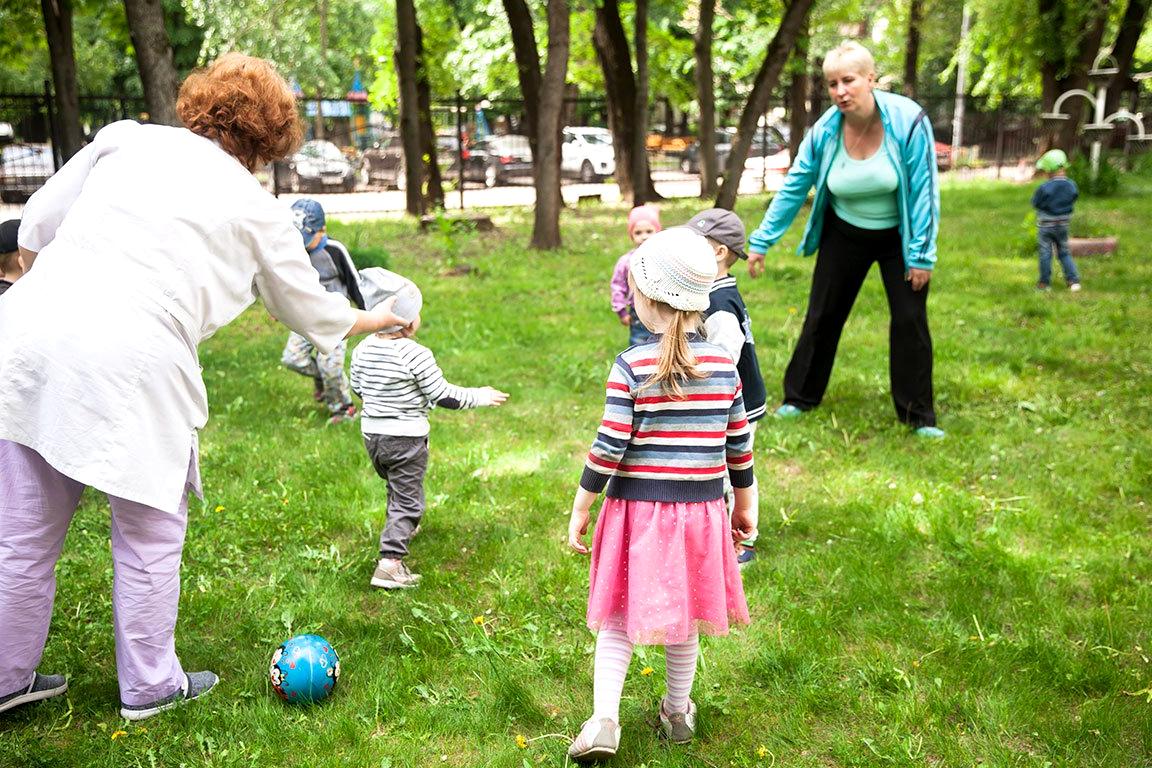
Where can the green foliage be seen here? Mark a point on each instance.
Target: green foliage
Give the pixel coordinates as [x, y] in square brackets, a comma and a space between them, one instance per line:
[982, 600]
[1107, 181]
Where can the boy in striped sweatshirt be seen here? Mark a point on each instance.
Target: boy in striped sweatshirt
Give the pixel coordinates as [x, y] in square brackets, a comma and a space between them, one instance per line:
[399, 381]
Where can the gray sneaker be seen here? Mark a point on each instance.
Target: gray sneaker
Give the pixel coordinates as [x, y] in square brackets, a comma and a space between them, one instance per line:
[394, 574]
[42, 687]
[195, 685]
[678, 727]
[597, 740]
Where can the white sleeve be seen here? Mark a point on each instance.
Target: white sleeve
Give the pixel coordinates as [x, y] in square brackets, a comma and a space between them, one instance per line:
[723, 329]
[45, 210]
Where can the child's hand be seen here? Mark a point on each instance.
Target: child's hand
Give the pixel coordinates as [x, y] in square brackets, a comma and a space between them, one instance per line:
[625, 319]
[577, 527]
[741, 524]
[495, 396]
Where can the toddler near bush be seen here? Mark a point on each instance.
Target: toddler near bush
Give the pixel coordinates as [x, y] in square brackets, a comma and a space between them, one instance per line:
[400, 382]
[663, 567]
[643, 222]
[1053, 201]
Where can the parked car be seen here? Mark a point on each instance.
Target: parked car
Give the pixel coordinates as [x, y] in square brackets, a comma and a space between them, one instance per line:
[495, 160]
[724, 138]
[587, 153]
[383, 163]
[319, 166]
[23, 169]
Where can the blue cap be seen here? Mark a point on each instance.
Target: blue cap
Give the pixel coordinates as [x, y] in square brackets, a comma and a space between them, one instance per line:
[309, 218]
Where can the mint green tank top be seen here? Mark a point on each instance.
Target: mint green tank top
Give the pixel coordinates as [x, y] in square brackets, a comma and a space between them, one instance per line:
[864, 191]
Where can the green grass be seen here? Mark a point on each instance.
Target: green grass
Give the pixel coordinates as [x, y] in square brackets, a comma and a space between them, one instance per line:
[981, 600]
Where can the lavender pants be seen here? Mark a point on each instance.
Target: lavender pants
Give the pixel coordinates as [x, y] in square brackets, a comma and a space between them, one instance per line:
[36, 507]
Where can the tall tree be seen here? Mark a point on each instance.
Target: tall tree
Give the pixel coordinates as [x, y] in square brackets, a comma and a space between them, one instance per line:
[527, 64]
[433, 192]
[612, 52]
[154, 59]
[706, 97]
[774, 60]
[546, 226]
[798, 91]
[912, 49]
[640, 107]
[58, 25]
[1065, 62]
[406, 64]
[1124, 50]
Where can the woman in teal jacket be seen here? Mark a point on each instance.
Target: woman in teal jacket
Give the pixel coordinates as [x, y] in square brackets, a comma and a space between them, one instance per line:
[871, 158]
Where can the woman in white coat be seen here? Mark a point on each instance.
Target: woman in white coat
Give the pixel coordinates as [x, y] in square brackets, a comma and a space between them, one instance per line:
[139, 248]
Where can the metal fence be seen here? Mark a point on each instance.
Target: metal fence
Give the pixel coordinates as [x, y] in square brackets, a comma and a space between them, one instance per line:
[480, 143]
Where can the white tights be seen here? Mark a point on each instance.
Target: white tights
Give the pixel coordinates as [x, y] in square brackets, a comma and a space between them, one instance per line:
[614, 654]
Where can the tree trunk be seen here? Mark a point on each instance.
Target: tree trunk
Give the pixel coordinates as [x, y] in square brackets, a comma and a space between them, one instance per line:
[706, 98]
[912, 51]
[434, 193]
[640, 109]
[527, 64]
[546, 226]
[798, 92]
[154, 59]
[67, 135]
[620, 90]
[1124, 50]
[774, 60]
[318, 126]
[816, 91]
[406, 32]
[1061, 71]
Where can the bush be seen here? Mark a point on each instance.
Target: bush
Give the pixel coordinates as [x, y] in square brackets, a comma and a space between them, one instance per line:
[1107, 181]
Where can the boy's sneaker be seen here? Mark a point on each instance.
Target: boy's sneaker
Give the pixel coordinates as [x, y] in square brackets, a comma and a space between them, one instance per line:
[394, 574]
[195, 685]
[42, 687]
[347, 414]
[597, 740]
[1043, 287]
[1075, 287]
[678, 727]
[746, 556]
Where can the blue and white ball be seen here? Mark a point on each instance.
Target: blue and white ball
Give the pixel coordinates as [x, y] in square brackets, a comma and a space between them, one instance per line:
[304, 669]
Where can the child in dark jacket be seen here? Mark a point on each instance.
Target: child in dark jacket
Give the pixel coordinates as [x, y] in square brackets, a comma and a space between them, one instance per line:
[1053, 201]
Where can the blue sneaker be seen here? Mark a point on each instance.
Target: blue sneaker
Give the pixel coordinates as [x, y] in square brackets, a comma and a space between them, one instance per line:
[746, 556]
[788, 411]
[931, 433]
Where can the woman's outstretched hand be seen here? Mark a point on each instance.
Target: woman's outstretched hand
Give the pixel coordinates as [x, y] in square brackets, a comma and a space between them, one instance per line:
[755, 264]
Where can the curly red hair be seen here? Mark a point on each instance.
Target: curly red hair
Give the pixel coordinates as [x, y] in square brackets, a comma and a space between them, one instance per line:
[243, 103]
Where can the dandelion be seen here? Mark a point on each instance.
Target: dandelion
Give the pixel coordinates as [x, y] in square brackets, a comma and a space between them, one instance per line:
[118, 734]
[791, 311]
[647, 671]
[478, 621]
[762, 751]
[219, 507]
[521, 741]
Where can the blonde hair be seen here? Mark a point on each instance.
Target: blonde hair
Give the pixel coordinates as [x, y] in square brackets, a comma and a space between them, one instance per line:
[245, 105]
[677, 362]
[852, 56]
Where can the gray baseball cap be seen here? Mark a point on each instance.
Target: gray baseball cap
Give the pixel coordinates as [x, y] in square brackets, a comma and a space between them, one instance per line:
[723, 226]
[378, 284]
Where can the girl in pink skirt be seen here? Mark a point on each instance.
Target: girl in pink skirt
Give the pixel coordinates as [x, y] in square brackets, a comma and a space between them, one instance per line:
[663, 568]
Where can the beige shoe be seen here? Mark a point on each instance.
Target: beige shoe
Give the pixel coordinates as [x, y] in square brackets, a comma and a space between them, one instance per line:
[598, 740]
[393, 574]
[678, 727]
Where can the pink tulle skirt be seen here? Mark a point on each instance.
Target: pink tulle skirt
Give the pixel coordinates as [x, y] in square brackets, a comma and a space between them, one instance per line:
[663, 572]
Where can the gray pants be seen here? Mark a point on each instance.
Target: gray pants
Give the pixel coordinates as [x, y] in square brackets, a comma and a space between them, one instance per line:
[326, 370]
[402, 462]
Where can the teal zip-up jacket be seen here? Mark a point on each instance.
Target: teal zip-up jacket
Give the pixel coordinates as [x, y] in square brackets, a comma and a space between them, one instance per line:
[908, 136]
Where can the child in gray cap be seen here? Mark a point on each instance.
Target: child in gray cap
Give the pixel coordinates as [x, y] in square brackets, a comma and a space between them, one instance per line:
[399, 381]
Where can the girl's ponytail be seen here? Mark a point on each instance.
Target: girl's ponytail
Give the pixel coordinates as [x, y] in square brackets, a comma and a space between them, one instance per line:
[677, 361]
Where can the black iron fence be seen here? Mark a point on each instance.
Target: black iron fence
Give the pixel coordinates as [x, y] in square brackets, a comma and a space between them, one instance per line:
[481, 143]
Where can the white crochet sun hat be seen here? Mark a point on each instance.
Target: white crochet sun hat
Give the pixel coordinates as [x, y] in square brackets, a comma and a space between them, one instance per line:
[676, 266]
[378, 284]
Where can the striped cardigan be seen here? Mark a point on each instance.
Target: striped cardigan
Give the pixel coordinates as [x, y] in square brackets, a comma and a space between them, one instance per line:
[651, 447]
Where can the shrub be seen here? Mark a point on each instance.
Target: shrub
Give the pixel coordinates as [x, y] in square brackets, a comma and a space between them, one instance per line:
[1107, 181]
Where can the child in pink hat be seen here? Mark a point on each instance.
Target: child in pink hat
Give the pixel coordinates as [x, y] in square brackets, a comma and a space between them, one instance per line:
[643, 222]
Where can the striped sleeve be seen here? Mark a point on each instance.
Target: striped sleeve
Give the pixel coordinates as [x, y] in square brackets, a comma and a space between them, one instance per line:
[439, 391]
[738, 444]
[615, 430]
